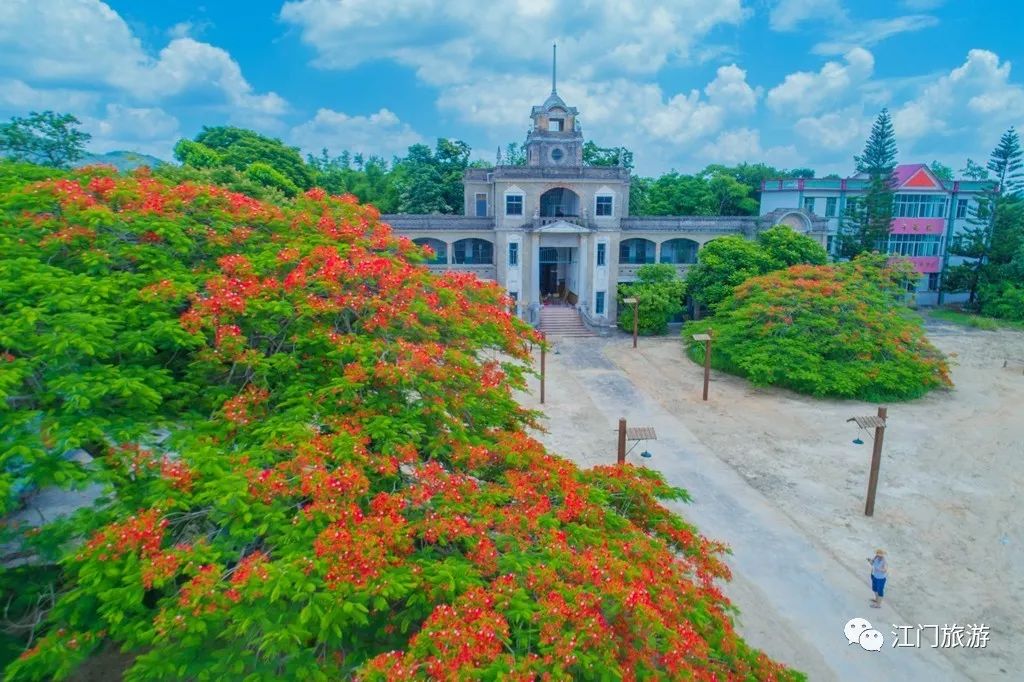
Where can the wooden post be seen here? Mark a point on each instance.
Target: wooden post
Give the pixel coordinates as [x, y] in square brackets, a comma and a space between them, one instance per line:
[622, 442]
[635, 306]
[543, 344]
[633, 301]
[707, 364]
[876, 460]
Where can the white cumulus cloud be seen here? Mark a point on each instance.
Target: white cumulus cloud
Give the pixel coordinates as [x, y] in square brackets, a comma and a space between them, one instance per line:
[806, 92]
[380, 133]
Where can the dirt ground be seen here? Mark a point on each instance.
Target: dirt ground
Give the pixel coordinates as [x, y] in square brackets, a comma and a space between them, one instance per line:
[947, 510]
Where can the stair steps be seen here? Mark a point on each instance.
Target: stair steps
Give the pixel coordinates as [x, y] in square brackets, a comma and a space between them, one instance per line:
[562, 321]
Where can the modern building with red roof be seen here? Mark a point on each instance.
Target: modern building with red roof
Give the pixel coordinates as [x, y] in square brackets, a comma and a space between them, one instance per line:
[927, 213]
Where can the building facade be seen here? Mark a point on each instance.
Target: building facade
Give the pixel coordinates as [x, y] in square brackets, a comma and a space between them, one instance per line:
[927, 214]
[557, 231]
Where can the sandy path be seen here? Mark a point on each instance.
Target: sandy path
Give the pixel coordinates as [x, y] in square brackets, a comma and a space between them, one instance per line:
[775, 476]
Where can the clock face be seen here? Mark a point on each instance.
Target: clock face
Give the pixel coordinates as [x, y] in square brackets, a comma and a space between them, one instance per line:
[557, 154]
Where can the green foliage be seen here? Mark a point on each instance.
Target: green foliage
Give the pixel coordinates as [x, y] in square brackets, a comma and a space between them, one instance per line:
[16, 174]
[785, 247]
[866, 223]
[345, 488]
[1004, 300]
[240, 148]
[45, 138]
[825, 330]
[716, 190]
[514, 154]
[994, 237]
[659, 293]
[942, 171]
[970, 319]
[606, 156]
[723, 264]
[268, 176]
[197, 155]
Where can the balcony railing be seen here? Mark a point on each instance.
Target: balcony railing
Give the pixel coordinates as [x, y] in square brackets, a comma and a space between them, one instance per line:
[627, 271]
[482, 271]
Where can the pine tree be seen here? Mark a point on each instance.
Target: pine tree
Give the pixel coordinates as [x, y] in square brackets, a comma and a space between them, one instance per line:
[866, 224]
[993, 235]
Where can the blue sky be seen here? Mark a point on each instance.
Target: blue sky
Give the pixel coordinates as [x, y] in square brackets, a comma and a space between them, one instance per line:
[683, 83]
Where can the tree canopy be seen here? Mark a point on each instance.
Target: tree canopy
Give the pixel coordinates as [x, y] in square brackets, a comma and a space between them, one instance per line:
[866, 224]
[314, 463]
[827, 330]
[45, 138]
[727, 262]
[659, 292]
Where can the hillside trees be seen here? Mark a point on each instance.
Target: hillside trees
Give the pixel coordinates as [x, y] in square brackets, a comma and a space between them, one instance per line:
[347, 489]
[45, 138]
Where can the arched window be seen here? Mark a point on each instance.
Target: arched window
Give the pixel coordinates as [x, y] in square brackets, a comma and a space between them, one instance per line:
[439, 247]
[636, 251]
[473, 252]
[679, 251]
[559, 202]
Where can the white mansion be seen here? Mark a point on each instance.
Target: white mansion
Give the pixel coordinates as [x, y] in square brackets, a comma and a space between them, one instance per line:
[556, 230]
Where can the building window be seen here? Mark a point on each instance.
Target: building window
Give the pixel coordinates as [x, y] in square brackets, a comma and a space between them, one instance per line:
[602, 248]
[636, 251]
[961, 208]
[809, 204]
[914, 245]
[473, 252]
[555, 125]
[481, 205]
[514, 204]
[830, 207]
[918, 206]
[599, 304]
[604, 206]
[439, 248]
[933, 281]
[513, 253]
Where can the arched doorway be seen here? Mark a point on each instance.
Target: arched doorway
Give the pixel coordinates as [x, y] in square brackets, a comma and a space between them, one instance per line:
[559, 203]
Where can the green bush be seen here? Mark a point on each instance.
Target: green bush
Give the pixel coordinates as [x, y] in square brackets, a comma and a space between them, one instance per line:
[1004, 300]
[659, 292]
[727, 262]
[267, 175]
[824, 330]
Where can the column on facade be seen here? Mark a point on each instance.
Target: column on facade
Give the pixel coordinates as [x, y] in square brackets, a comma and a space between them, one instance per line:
[583, 277]
[534, 285]
[657, 252]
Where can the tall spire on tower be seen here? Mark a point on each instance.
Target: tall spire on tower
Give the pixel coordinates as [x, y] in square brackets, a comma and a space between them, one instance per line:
[554, 61]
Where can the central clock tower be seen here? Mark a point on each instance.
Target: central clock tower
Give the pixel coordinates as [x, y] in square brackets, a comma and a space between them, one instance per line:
[555, 139]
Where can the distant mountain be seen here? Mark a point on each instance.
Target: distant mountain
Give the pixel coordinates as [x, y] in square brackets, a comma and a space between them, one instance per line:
[124, 161]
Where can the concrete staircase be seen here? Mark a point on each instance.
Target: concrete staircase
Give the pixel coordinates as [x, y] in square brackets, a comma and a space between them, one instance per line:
[563, 321]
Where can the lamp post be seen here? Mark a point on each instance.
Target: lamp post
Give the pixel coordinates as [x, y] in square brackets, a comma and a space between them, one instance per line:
[632, 300]
[706, 338]
[877, 423]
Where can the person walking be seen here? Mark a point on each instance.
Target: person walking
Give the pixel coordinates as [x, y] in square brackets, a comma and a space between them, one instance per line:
[879, 573]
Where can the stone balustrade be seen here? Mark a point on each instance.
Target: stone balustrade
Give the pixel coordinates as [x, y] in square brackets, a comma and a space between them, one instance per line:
[627, 271]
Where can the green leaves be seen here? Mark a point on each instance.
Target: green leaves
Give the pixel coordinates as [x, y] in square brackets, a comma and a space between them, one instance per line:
[824, 330]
